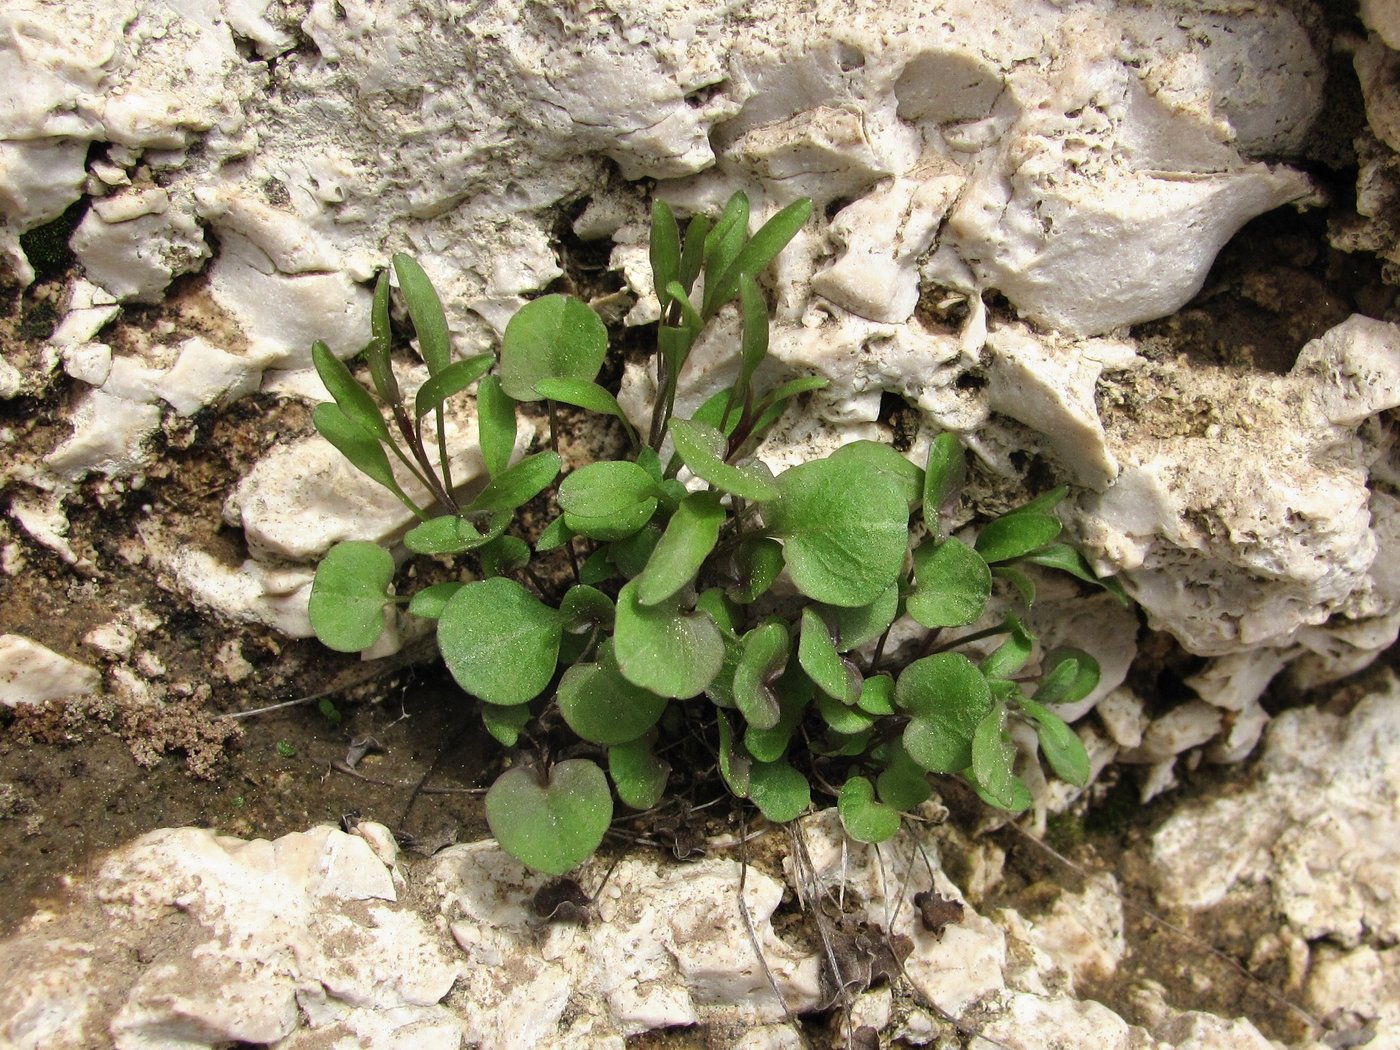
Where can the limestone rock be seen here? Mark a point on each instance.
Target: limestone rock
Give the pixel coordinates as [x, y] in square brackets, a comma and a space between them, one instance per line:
[31, 673]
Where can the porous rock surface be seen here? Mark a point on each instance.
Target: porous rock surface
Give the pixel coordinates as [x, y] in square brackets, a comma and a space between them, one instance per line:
[189, 939]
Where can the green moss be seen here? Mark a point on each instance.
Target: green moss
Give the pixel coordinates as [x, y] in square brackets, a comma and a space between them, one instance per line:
[46, 246]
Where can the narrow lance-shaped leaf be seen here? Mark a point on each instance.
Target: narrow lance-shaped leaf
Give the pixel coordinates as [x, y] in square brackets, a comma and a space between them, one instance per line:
[1011, 655]
[1016, 534]
[690, 535]
[722, 247]
[665, 250]
[519, 484]
[1065, 558]
[701, 448]
[353, 399]
[425, 309]
[773, 236]
[495, 424]
[453, 379]
[1067, 676]
[942, 475]
[693, 251]
[1059, 743]
[361, 448]
[377, 352]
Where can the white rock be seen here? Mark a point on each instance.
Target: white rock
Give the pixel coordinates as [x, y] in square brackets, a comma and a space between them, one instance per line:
[32, 674]
[1349, 989]
[1180, 729]
[135, 253]
[205, 375]
[1124, 716]
[1319, 826]
[109, 435]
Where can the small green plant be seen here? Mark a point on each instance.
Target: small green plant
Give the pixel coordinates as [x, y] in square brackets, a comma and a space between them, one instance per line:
[703, 598]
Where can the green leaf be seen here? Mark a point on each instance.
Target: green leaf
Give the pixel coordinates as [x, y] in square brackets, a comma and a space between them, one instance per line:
[555, 336]
[601, 706]
[772, 237]
[942, 475]
[853, 627]
[353, 399]
[1009, 657]
[757, 562]
[902, 784]
[449, 534]
[505, 723]
[665, 249]
[1067, 676]
[377, 351]
[360, 447]
[753, 346]
[952, 584]
[794, 693]
[733, 763]
[774, 403]
[702, 449]
[690, 535]
[630, 554]
[348, 595]
[425, 309]
[762, 659]
[550, 827]
[500, 642]
[429, 602]
[1059, 743]
[1046, 501]
[722, 247]
[495, 424]
[583, 393]
[848, 721]
[881, 459]
[693, 251]
[584, 608]
[596, 568]
[608, 500]
[877, 695]
[714, 602]
[1020, 795]
[993, 756]
[664, 650]
[1016, 535]
[780, 792]
[453, 379]
[639, 775]
[519, 484]
[840, 548]
[948, 697]
[650, 461]
[1065, 558]
[1025, 586]
[504, 555]
[554, 535]
[864, 819]
[817, 655]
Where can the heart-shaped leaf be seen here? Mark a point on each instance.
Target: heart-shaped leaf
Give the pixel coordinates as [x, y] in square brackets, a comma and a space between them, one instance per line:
[952, 584]
[661, 649]
[601, 706]
[505, 723]
[948, 696]
[903, 783]
[843, 719]
[840, 548]
[882, 459]
[348, 595]
[794, 693]
[877, 695]
[499, 641]
[864, 819]
[550, 827]
[555, 336]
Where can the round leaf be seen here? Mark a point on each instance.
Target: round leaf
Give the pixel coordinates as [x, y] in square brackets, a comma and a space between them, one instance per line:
[853, 627]
[952, 585]
[554, 337]
[948, 696]
[602, 707]
[639, 775]
[550, 827]
[882, 459]
[780, 792]
[499, 641]
[845, 530]
[505, 723]
[607, 501]
[349, 594]
[662, 650]
[1067, 675]
[864, 819]
[430, 601]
